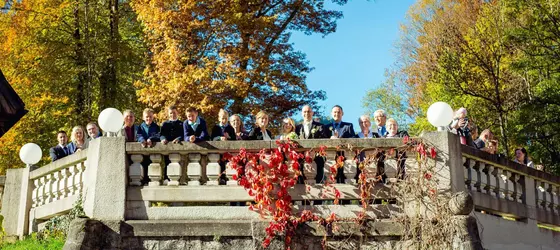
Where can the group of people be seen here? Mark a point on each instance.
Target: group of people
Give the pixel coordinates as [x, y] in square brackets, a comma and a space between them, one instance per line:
[194, 129]
[485, 141]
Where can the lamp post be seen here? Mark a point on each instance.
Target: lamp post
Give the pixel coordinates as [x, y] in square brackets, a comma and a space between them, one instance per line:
[440, 114]
[111, 120]
[30, 154]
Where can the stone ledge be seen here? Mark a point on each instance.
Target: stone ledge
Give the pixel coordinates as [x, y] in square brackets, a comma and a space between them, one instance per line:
[254, 228]
[232, 146]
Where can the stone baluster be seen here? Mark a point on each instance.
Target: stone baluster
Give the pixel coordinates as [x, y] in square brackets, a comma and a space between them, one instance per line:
[174, 170]
[63, 184]
[49, 188]
[310, 171]
[467, 173]
[350, 168]
[556, 199]
[550, 197]
[330, 162]
[213, 169]
[155, 170]
[41, 191]
[229, 174]
[495, 182]
[194, 169]
[71, 180]
[483, 177]
[489, 170]
[135, 173]
[57, 177]
[540, 194]
[35, 194]
[518, 185]
[81, 167]
[477, 170]
[505, 182]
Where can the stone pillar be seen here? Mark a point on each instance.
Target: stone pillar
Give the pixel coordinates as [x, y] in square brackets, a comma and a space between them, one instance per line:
[105, 179]
[449, 161]
[17, 201]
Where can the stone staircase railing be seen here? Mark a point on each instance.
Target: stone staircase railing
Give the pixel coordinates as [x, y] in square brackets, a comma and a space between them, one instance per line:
[510, 189]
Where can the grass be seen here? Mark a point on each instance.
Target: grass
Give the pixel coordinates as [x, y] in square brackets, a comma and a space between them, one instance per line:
[33, 243]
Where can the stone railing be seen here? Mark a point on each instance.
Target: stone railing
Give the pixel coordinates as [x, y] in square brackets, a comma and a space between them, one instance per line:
[510, 189]
[57, 186]
[194, 172]
[109, 177]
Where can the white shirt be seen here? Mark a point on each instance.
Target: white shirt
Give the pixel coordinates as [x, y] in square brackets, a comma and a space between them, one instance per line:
[307, 128]
[265, 136]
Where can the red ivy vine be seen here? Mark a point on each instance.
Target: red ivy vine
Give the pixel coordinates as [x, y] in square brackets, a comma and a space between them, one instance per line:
[269, 174]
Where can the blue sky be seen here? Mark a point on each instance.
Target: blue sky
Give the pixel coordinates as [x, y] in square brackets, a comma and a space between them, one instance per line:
[353, 59]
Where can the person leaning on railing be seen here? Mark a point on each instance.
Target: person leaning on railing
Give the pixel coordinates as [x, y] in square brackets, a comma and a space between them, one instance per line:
[260, 132]
[59, 151]
[393, 132]
[522, 157]
[288, 130]
[223, 131]
[365, 125]
[147, 135]
[238, 127]
[129, 129]
[78, 140]
[194, 128]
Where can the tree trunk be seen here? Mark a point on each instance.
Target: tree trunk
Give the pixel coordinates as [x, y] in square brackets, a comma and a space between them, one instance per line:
[81, 107]
[108, 83]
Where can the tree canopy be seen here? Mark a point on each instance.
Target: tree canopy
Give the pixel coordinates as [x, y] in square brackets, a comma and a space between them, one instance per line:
[499, 59]
[70, 59]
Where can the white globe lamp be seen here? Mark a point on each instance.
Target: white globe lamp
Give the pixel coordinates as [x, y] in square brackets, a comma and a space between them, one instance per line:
[440, 114]
[111, 120]
[30, 153]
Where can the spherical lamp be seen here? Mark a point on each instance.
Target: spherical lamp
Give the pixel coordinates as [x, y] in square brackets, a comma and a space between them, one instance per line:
[30, 153]
[440, 114]
[111, 120]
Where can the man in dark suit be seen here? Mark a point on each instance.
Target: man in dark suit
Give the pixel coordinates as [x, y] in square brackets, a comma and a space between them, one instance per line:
[338, 128]
[194, 127]
[309, 129]
[59, 151]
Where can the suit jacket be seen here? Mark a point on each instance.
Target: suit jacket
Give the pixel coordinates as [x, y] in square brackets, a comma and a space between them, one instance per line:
[134, 131]
[316, 131]
[201, 132]
[218, 132]
[345, 130]
[72, 146]
[256, 134]
[57, 152]
[171, 130]
[146, 132]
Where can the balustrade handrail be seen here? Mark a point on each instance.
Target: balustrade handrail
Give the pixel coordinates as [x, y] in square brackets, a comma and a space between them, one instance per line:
[59, 164]
[233, 146]
[509, 165]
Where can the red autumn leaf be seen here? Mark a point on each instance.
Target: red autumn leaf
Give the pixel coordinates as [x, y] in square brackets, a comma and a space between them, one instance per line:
[433, 153]
[428, 176]
[406, 139]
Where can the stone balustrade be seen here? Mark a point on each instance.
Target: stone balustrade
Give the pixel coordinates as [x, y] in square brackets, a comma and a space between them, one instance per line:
[194, 171]
[507, 188]
[110, 177]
